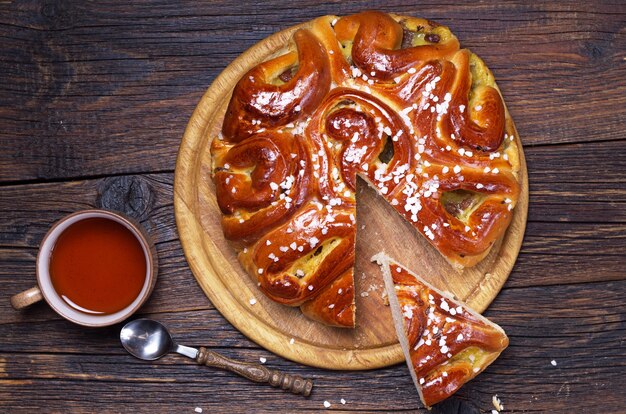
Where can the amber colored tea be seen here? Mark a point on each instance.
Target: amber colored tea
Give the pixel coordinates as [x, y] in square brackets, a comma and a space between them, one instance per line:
[98, 266]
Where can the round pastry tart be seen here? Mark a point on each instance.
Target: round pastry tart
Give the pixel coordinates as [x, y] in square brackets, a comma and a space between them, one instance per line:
[391, 99]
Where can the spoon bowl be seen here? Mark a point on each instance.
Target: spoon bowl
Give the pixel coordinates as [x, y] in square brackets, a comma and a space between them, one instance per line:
[146, 339]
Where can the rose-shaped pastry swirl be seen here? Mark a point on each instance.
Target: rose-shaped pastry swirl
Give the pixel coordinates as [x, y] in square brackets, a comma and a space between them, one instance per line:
[360, 126]
[261, 182]
[285, 263]
[377, 38]
[257, 102]
[388, 98]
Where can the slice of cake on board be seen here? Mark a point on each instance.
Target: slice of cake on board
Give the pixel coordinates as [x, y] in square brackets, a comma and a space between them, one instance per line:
[445, 343]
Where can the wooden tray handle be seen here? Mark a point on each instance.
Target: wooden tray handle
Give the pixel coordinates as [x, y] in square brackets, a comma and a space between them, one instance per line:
[26, 298]
[256, 372]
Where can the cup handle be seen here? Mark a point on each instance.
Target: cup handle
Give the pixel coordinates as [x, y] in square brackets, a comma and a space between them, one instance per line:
[26, 298]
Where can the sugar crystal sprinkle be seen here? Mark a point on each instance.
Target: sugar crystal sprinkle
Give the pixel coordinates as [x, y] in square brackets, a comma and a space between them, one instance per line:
[198, 409]
[263, 360]
[326, 404]
[497, 403]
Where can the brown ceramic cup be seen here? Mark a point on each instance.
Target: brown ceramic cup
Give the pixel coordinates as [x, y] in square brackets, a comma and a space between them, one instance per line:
[45, 290]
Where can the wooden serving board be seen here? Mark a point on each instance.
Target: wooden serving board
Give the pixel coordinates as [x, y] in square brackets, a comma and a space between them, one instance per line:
[283, 330]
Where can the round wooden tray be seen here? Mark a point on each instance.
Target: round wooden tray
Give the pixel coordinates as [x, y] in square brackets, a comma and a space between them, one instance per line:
[283, 330]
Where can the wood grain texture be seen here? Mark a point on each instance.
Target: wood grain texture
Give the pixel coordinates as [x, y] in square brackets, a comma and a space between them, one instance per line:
[93, 82]
[94, 98]
[373, 342]
[95, 368]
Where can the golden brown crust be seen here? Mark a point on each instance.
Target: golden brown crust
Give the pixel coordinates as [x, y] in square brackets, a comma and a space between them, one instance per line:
[389, 98]
[255, 98]
[448, 343]
[335, 303]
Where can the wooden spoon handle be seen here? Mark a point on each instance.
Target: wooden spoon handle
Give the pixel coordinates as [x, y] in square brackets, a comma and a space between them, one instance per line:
[256, 372]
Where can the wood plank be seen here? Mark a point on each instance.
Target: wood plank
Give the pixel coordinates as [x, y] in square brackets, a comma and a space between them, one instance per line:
[593, 163]
[91, 363]
[552, 253]
[561, 189]
[31, 209]
[540, 263]
[103, 83]
[508, 310]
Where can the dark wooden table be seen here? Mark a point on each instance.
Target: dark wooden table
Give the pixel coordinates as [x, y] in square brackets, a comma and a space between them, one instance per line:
[94, 99]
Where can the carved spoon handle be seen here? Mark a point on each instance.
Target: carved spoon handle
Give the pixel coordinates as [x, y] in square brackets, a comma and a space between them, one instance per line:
[256, 372]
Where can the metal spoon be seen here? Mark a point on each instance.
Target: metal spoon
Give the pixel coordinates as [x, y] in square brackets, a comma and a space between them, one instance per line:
[149, 340]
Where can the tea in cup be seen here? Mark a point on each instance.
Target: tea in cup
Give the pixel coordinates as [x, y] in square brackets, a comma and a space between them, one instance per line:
[94, 268]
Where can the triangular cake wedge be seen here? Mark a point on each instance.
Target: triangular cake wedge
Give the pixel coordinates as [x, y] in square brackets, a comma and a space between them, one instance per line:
[445, 343]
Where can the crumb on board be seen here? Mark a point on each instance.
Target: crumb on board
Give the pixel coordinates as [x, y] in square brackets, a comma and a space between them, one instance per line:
[263, 360]
[343, 401]
[198, 409]
[553, 362]
[326, 404]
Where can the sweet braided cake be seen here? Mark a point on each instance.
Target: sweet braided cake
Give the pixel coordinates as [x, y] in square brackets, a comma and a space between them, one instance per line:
[389, 98]
[445, 343]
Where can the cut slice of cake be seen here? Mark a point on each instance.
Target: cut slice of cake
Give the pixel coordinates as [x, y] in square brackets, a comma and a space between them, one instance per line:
[445, 343]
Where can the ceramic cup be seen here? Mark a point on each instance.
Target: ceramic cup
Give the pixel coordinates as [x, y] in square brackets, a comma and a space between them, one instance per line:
[45, 290]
